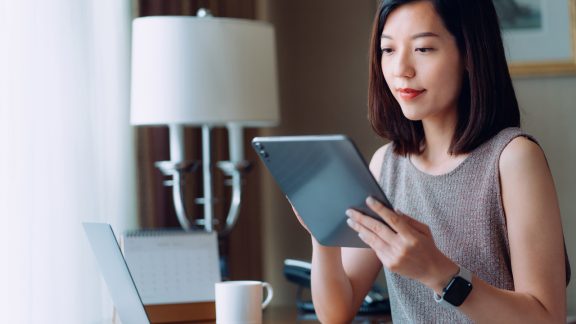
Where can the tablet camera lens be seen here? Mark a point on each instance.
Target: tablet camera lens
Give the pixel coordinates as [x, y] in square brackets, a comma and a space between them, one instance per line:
[264, 154]
[259, 146]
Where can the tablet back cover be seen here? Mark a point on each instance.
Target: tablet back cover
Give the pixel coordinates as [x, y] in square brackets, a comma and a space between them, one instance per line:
[322, 176]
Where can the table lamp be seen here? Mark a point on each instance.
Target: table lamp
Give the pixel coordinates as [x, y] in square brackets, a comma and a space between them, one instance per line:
[207, 72]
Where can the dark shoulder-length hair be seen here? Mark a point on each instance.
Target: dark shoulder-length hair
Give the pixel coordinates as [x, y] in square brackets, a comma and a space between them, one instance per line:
[487, 102]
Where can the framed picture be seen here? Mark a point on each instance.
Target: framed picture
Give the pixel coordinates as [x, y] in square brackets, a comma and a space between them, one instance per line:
[539, 36]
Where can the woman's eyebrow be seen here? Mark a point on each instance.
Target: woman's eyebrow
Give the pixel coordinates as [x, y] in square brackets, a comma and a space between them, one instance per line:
[419, 35]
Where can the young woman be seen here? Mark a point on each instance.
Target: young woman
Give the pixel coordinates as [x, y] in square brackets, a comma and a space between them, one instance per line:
[476, 234]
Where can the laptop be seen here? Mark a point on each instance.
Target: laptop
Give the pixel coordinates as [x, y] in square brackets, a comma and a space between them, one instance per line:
[116, 273]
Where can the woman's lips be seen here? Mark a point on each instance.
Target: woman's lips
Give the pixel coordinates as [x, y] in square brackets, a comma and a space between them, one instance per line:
[409, 93]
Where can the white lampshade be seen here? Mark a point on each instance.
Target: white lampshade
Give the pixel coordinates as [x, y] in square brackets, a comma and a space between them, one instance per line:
[193, 71]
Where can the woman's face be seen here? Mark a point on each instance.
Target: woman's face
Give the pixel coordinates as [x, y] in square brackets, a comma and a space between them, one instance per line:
[421, 62]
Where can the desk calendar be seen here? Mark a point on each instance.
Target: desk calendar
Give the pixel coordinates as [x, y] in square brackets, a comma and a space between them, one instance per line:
[170, 267]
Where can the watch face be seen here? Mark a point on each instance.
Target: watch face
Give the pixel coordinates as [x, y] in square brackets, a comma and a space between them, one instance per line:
[457, 291]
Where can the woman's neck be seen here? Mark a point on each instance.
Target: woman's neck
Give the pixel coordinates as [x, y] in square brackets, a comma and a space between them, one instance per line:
[436, 158]
[437, 139]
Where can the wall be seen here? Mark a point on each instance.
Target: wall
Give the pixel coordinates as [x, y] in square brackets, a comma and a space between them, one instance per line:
[323, 64]
[322, 56]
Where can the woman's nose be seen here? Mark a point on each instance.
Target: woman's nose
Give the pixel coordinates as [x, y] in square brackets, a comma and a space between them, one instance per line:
[403, 67]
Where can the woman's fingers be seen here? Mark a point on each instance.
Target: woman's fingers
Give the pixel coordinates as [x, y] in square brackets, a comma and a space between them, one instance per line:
[362, 223]
[371, 236]
[406, 247]
[418, 226]
[374, 241]
[398, 230]
[394, 220]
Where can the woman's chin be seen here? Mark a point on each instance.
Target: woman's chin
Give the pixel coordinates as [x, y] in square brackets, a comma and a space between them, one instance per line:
[412, 116]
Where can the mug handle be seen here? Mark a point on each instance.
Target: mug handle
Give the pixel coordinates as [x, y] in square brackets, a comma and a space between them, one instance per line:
[269, 294]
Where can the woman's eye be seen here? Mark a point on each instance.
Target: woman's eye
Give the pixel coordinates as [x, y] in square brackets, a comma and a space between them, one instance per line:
[386, 50]
[424, 49]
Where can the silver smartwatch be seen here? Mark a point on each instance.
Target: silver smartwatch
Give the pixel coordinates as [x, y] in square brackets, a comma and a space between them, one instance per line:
[457, 290]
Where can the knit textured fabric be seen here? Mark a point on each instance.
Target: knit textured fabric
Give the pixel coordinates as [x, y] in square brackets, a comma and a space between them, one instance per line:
[464, 211]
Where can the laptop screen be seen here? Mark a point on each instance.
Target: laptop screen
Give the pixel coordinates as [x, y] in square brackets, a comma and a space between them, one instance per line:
[116, 274]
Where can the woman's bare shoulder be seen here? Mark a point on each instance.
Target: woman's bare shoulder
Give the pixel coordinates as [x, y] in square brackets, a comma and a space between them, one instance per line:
[526, 182]
[521, 154]
[377, 159]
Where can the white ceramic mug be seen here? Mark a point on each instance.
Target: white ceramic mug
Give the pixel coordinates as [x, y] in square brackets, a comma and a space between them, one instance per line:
[240, 302]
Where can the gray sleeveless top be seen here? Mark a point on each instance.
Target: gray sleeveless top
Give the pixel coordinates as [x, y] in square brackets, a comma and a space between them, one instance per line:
[464, 211]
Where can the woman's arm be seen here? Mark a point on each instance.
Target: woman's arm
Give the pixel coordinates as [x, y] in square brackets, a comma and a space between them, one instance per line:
[341, 277]
[536, 243]
[535, 237]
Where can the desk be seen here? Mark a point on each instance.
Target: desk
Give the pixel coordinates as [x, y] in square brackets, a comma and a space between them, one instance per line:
[289, 315]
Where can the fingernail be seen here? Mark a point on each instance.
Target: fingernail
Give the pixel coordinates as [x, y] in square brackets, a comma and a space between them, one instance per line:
[370, 200]
[348, 212]
[350, 222]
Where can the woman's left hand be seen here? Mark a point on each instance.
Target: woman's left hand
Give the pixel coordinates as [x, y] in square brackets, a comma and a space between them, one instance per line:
[405, 247]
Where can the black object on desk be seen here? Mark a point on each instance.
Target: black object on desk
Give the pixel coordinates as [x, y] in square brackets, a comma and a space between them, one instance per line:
[298, 272]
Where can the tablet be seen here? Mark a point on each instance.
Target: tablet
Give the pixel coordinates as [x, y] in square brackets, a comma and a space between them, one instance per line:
[322, 176]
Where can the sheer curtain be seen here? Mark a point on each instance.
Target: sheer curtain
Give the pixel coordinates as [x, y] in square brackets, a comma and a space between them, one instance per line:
[66, 153]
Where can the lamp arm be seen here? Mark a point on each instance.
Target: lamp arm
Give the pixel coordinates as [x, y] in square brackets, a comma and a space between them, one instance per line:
[234, 210]
[178, 170]
[236, 171]
[177, 197]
